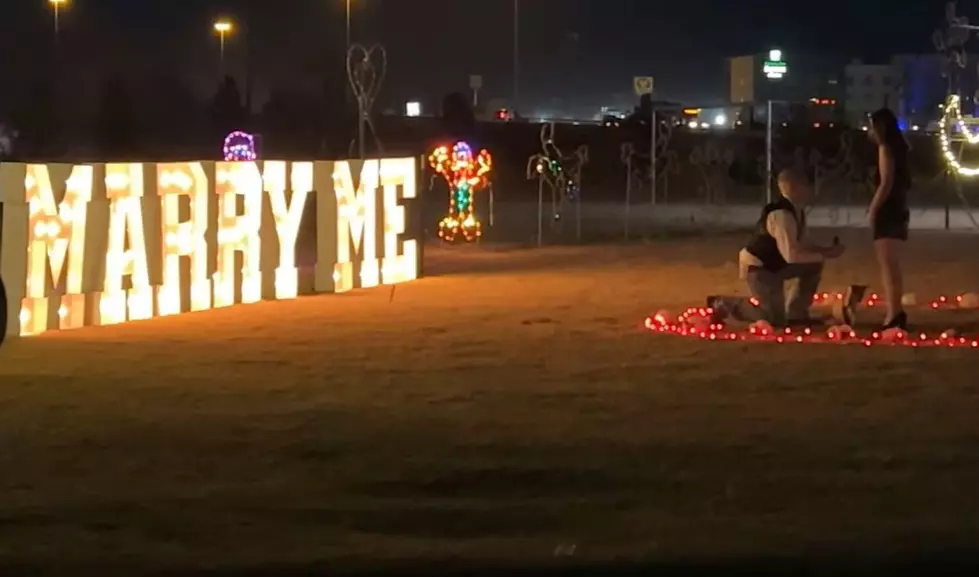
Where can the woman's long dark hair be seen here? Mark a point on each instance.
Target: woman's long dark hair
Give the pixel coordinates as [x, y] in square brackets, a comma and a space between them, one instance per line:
[885, 125]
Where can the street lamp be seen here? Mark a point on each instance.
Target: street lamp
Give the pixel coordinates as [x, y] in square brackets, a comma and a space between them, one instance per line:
[348, 25]
[57, 5]
[516, 57]
[223, 28]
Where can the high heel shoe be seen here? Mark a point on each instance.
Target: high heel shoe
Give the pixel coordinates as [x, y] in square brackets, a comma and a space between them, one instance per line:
[900, 321]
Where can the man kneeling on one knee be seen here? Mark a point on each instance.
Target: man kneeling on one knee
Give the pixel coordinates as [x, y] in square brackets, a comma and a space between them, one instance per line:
[778, 252]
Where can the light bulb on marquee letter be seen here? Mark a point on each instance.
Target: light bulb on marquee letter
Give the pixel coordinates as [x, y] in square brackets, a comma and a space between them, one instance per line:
[395, 268]
[238, 233]
[288, 217]
[183, 238]
[56, 237]
[125, 253]
[356, 218]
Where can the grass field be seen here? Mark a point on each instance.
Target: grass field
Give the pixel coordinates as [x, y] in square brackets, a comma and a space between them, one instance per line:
[507, 411]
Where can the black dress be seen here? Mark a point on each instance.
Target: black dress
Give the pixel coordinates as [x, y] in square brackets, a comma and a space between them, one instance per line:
[893, 217]
[3, 311]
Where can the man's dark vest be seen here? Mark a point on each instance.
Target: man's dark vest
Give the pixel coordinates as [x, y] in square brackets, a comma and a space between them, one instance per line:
[762, 244]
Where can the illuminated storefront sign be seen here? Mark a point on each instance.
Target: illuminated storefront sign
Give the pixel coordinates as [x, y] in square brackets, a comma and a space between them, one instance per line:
[775, 67]
[102, 244]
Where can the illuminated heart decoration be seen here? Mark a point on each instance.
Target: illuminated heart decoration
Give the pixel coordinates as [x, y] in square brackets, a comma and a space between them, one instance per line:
[952, 128]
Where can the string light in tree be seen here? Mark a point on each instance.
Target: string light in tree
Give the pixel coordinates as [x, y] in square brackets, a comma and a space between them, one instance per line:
[239, 146]
[465, 173]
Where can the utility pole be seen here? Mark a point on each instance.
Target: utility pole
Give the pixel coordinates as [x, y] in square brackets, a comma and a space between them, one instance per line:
[516, 57]
[248, 57]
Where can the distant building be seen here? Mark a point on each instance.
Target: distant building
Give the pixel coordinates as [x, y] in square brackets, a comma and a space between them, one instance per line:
[925, 85]
[792, 81]
[914, 86]
[870, 87]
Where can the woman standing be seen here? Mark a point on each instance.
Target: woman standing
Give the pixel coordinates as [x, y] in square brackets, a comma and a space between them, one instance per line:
[888, 214]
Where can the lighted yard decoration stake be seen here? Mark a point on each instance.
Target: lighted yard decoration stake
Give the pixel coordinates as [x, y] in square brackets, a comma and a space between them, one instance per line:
[561, 175]
[465, 173]
[634, 176]
[366, 68]
[239, 146]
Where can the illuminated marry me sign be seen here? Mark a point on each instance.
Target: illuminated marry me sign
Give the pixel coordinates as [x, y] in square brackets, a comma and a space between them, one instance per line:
[102, 244]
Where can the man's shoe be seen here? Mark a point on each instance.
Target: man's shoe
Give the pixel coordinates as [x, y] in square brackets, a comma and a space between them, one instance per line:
[718, 312]
[898, 322]
[810, 322]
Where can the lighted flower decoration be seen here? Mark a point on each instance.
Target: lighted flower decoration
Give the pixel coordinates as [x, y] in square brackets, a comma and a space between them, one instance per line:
[465, 173]
[560, 173]
[239, 146]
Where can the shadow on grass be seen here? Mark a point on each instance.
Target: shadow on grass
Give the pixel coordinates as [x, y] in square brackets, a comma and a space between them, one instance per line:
[508, 257]
[939, 561]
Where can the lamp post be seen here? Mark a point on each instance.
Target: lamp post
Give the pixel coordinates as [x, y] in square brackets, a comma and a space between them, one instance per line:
[348, 25]
[56, 5]
[516, 57]
[223, 28]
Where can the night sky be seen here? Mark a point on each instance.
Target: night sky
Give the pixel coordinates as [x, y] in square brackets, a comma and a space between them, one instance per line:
[573, 51]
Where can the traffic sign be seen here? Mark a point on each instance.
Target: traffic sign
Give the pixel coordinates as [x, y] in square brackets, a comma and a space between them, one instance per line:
[643, 85]
[475, 82]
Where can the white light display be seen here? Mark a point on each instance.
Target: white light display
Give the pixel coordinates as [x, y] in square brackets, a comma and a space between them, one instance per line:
[56, 238]
[126, 249]
[183, 238]
[238, 233]
[397, 268]
[287, 217]
[356, 225]
[95, 248]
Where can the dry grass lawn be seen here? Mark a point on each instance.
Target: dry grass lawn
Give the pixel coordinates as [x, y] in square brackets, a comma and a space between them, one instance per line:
[506, 411]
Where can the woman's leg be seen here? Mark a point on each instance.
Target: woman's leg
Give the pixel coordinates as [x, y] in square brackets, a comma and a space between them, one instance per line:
[888, 258]
[3, 312]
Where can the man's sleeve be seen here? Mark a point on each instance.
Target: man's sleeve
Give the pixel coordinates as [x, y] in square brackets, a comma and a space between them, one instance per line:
[783, 228]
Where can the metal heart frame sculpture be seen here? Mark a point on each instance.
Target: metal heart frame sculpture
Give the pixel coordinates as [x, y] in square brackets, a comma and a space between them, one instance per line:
[950, 42]
[366, 70]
